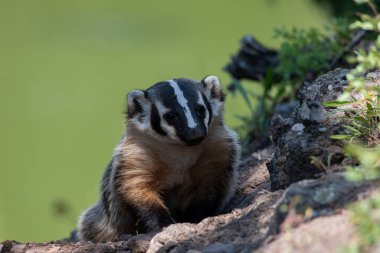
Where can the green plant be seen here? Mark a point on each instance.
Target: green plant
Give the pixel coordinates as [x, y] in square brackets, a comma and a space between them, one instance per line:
[365, 60]
[361, 98]
[303, 54]
[258, 119]
[369, 162]
[361, 103]
[365, 215]
[363, 122]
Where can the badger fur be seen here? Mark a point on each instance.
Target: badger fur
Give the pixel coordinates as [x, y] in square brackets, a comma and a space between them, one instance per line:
[175, 163]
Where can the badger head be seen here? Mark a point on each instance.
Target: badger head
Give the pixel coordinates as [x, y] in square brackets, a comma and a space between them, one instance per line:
[178, 111]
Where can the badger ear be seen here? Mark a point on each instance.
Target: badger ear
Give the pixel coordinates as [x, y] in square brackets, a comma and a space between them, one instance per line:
[212, 88]
[137, 101]
[214, 93]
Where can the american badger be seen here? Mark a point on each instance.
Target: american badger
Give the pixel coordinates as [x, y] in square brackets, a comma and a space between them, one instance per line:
[175, 163]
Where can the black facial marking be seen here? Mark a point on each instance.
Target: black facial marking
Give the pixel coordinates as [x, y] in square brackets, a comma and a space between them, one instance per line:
[136, 109]
[201, 111]
[155, 121]
[209, 109]
[170, 117]
[204, 83]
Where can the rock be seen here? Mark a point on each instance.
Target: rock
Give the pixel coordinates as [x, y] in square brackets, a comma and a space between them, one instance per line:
[373, 78]
[7, 245]
[279, 126]
[298, 128]
[326, 234]
[18, 249]
[219, 248]
[285, 109]
[54, 249]
[307, 133]
[309, 199]
[139, 243]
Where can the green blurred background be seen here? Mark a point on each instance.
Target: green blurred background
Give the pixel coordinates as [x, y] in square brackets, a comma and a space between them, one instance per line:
[65, 68]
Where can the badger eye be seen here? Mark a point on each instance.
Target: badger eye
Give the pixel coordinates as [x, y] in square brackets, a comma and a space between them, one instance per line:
[170, 117]
[201, 111]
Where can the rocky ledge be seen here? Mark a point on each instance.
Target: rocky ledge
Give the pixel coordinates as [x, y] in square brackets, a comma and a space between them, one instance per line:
[284, 203]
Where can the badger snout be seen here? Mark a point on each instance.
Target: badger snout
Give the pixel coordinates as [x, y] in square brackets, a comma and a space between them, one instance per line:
[193, 137]
[195, 141]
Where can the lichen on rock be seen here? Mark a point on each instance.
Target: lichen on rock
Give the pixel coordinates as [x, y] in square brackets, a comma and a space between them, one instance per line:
[307, 133]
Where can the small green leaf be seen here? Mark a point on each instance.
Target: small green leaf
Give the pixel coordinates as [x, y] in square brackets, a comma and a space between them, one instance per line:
[268, 81]
[352, 129]
[361, 1]
[360, 119]
[369, 107]
[362, 25]
[337, 103]
[340, 137]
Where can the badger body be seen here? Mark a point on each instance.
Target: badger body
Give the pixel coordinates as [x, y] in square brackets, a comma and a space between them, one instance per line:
[175, 163]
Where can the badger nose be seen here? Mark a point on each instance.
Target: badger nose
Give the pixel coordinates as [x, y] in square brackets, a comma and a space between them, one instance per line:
[195, 136]
[195, 141]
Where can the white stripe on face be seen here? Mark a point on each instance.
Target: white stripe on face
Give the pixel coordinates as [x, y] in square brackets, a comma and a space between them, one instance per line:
[183, 102]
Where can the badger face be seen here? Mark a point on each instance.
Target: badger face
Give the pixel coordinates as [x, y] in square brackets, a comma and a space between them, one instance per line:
[177, 111]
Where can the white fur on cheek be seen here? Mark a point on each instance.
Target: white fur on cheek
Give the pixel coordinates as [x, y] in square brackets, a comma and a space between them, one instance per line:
[216, 106]
[145, 124]
[145, 104]
[165, 126]
[183, 102]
